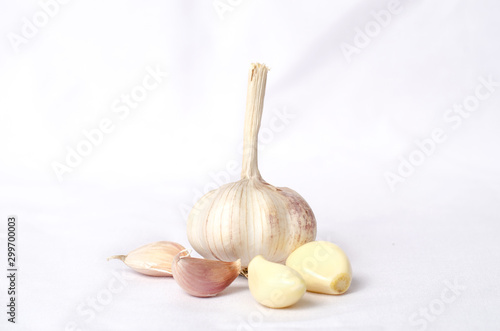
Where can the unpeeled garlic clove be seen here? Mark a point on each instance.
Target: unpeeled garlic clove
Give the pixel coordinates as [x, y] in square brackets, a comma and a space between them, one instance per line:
[203, 278]
[324, 267]
[274, 285]
[153, 259]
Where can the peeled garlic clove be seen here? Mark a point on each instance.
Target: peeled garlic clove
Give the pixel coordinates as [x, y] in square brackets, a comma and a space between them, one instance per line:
[203, 278]
[324, 266]
[274, 285]
[153, 259]
[250, 217]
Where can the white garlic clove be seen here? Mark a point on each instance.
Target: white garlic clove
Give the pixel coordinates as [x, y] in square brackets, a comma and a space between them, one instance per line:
[153, 259]
[203, 278]
[274, 285]
[324, 267]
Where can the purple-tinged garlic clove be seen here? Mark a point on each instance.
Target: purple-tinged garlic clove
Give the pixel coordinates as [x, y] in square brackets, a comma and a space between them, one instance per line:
[203, 278]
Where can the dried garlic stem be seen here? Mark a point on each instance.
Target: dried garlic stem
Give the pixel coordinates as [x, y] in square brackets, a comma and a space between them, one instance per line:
[257, 78]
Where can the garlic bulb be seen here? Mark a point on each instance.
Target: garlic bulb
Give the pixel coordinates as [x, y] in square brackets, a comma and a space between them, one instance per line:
[153, 259]
[203, 278]
[251, 217]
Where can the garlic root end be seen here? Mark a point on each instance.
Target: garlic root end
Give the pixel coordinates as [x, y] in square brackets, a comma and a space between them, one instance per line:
[341, 283]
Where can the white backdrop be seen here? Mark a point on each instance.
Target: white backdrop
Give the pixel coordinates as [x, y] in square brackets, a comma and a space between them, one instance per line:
[383, 115]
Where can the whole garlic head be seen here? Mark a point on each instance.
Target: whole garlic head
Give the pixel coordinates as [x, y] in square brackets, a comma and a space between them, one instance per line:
[251, 217]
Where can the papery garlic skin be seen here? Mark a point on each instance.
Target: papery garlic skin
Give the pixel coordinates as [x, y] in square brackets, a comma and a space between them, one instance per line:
[203, 278]
[154, 259]
[324, 267]
[251, 217]
[274, 285]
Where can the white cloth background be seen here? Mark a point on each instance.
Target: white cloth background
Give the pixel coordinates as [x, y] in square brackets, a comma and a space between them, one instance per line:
[342, 110]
